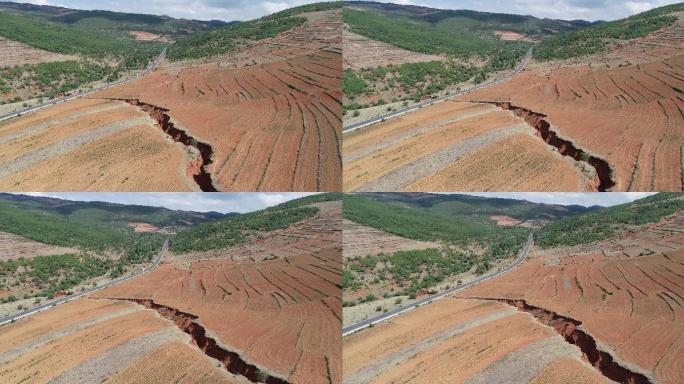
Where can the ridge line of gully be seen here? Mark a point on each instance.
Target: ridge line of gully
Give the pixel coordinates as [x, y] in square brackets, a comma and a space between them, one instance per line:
[568, 328]
[187, 322]
[198, 168]
[604, 171]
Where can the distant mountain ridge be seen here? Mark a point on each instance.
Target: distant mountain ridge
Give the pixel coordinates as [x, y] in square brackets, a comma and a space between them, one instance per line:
[106, 213]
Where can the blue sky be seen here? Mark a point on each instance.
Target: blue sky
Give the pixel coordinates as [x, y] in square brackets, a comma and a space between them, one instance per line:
[199, 202]
[251, 201]
[250, 9]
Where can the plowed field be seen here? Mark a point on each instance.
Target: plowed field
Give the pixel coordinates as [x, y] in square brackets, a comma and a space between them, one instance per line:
[14, 247]
[265, 118]
[617, 304]
[233, 317]
[272, 126]
[613, 121]
[435, 148]
[360, 240]
[86, 145]
[625, 107]
[627, 292]
[89, 340]
[460, 341]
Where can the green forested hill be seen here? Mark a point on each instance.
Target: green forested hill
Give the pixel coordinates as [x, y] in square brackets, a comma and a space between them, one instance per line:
[600, 37]
[231, 37]
[108, 21]
[236, 230]
[608, 222]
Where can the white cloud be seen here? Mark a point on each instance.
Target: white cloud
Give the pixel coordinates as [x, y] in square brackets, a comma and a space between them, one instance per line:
[200, 202]
[570, 198]
[556, 9]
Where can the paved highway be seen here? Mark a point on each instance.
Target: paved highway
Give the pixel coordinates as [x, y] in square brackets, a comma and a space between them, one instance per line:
[66, 299]
[418, 106]
[409, 307]
[52, 102]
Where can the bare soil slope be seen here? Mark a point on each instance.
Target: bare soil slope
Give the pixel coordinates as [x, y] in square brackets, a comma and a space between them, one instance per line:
[590, 314]
[16, 53]
[624, 107]
[13, 247]
[435, 148]
[607, 122]
[269, 117]
[219, 318]
[626, 292]
[87, 145]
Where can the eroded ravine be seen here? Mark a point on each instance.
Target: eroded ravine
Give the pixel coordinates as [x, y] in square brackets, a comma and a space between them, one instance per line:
[568, 328]
[198, 168]
[187, 323]
[566, 148]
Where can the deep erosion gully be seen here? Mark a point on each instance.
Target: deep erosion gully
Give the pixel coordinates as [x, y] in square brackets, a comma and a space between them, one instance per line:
[198, 168]
[566, 148]
[187, 323]
[569, 329]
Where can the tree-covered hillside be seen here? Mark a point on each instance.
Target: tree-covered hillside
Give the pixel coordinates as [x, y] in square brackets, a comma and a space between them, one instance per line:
[234, 36]
[601, 37]
[608, 222]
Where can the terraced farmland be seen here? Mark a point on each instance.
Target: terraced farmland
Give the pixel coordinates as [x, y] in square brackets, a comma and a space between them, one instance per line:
[455, 146]
[624, 107]
[268, 311]
[13, 247]
[278, 308]
[612, 121]
[361, 240]
[608, 310]
[634, 281]
[89, 145]
[272, 123]
[267, 117]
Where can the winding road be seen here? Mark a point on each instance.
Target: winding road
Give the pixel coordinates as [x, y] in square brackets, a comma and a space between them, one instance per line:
[66, 299]
[519, 68]
[52, 102]
[409, 307]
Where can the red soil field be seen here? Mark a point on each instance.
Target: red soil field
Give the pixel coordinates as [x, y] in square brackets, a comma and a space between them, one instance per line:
[92, 340]
[86, 145]
[627, 292]
[279, 309]
[607, 122]
[588, 314]
[232, 319]
[625, 107]
[457, 341]
[272, 123]
[266, 117]
[455, 146]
